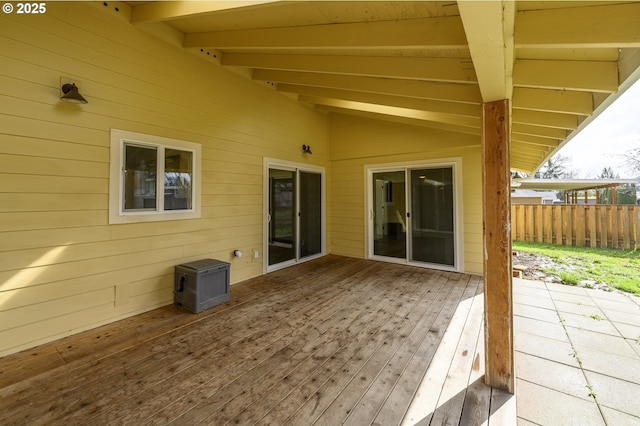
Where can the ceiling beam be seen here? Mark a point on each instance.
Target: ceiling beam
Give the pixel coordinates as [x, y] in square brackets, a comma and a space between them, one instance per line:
[559, 101]
[543, 132]
[489, 26]
[612, 25]
[403, 120]
[169, 10]
[452, 108]
[535, 140]
[525, 163]
[529, 149]
[389, 110]
[434, 69]
[546, 119]
[433, 33]
[591, 76]
[452, 92]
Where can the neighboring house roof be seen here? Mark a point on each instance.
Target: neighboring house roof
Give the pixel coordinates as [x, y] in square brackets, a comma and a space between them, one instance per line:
[424, 63]
[529, 193]
[570, 184]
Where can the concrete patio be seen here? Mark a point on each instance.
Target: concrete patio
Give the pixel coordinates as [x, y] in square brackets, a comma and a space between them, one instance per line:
[577, 355]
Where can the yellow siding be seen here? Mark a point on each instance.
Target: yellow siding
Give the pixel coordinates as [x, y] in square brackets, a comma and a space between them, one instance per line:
[62, 267]
[358, 142]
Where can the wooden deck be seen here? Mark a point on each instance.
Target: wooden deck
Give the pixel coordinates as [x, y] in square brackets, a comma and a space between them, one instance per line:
[331, 341]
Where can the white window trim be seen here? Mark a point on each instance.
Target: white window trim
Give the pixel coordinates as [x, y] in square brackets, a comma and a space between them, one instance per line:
[295, 167]
[116, 210]
[458, 212]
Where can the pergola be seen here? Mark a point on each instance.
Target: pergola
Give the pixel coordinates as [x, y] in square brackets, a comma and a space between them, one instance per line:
[573, 186]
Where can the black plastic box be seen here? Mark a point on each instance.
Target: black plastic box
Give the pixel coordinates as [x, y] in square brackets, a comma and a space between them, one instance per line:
[201, 285]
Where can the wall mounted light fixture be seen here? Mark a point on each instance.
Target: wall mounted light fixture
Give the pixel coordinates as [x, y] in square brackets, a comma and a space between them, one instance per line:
[306, 149]
[70, 94]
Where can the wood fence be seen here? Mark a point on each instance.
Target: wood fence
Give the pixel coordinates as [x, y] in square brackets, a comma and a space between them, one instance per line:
[616, 226]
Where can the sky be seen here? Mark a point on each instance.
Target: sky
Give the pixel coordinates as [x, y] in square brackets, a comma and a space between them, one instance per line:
[605, 140]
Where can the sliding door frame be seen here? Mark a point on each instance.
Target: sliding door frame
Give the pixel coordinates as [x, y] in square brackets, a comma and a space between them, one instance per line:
[458, 213]
[272, 163]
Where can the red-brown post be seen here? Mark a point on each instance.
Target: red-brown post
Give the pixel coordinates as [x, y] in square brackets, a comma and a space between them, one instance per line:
[498, 306]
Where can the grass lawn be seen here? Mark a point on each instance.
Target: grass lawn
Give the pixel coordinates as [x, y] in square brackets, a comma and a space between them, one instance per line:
[616, 268]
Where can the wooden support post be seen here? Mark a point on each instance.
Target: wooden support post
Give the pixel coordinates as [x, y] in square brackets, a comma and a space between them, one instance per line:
[498, 297]
[613, 196]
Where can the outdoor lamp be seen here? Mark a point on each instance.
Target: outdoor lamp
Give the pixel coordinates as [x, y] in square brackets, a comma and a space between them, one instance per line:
[70, 94]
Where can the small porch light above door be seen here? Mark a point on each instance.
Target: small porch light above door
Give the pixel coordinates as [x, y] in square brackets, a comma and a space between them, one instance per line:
[306, 149]
[70, 94]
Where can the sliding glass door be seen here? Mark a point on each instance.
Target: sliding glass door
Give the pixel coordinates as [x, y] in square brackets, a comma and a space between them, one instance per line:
[294, 216]
[282, 216]
[412, 215]
[389, 216]
[432, 237]
[310, 213]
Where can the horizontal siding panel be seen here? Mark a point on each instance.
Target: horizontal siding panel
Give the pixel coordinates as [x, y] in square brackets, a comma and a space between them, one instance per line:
[231, 188]
[233, 211]
[231, 199]
[26, 202]
[229, 177]
[46, 220]
[33, 334]
[61, 271]
[23, 127]
[473, 267]
[162, 284]
[19, 259]
[222, 167]
[20, 164]
[37, 147]
[53, 308]
[54, 184]
[24, 240]
[45, 331]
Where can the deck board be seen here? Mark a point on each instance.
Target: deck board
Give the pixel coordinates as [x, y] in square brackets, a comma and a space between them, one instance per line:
[331, 341]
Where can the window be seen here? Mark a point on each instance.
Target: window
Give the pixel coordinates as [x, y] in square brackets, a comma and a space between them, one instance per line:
[153, 178]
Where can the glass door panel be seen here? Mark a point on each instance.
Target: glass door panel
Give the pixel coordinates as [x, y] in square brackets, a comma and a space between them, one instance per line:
[389, 214]
[282, 212]
[432, 216]
[310, 214]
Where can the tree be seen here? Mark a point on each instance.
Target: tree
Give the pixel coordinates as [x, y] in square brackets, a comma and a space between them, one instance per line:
[633, 159]
[605, 194]
[608, 173]
[556, 168]
[625, 194]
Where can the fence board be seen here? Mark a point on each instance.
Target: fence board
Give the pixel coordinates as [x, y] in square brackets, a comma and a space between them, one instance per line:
[557, 223]
[568, 225]
[529, 229]
[636, 222]
[626, 229]
[615, 231]
[578, 225]
[604, 235]
[537, 216]
[592, 227]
